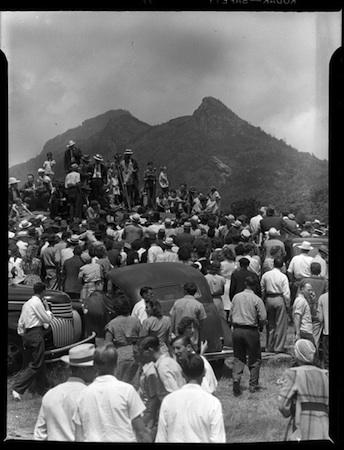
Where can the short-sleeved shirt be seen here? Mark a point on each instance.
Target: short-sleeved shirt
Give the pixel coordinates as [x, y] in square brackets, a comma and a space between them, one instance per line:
[106, 409]
[123, 328]
[191, 415]
[160, 327]
[54, 422]
[302, 308]
[216, 283]
[300, 266]
[186, 306]
[247, 309]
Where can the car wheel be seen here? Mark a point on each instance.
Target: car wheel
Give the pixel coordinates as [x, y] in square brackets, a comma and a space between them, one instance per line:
[14, 354]
[218, 366]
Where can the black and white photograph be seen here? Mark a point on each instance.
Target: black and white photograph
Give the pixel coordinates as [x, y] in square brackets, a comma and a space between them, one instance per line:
[168, 225]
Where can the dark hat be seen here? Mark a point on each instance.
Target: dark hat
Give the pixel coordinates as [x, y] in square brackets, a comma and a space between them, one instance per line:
[85, 157]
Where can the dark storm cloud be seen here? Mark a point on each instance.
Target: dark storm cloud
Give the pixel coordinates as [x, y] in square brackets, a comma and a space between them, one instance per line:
[66, 67]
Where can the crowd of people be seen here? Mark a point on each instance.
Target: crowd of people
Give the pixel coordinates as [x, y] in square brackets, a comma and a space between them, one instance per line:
[149, 380]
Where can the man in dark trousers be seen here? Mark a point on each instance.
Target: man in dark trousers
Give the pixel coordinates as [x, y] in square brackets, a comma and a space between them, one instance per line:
[72, 155]
[247, 317]
[70, 271]
[150, 183]
[35, 315]
[238, 279]
[98, 180]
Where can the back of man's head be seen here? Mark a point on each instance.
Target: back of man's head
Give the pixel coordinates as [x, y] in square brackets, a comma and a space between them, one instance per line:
[250, 282]
[244, 263]
[190, 288]
[149, 342]
[105, 359]
[192, 366]
[315, 268]
[39, 287]
[278, 262]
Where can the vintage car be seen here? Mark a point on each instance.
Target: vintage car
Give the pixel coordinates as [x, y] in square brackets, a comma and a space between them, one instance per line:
[167, 280]
[67, 328]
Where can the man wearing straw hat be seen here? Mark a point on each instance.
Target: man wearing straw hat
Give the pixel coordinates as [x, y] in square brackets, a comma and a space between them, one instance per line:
[54, 422]
[98, 179]
[299, 267]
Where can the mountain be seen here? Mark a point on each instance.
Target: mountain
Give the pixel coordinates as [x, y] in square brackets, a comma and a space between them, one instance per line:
[213, 146]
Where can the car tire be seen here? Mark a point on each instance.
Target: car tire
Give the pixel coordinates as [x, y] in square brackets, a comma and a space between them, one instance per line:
[218, 366]
[15, 354]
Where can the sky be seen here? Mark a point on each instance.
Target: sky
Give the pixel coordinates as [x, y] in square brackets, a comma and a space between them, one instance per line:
[269, 68]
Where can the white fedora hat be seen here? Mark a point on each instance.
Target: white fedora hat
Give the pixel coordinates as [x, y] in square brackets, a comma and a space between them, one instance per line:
[128, 151]
[80, 355]
[13, 180]
[305, 246]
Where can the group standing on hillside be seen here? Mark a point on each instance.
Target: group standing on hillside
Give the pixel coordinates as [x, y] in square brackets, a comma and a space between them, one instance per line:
[150, 378]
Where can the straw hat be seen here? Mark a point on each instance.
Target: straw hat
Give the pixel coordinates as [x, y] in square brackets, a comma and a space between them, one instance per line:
[24, 224]
[74, 239]
[98, 157]
[305, 246]
[13, 180]
[80, 355]
[70, 144]
[128, 151]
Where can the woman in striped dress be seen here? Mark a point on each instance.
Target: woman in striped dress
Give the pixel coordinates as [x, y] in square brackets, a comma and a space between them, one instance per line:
[304, 396]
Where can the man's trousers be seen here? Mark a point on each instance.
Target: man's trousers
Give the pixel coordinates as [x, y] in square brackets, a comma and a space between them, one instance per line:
[246, 344]
[277, 325]
[33, 342]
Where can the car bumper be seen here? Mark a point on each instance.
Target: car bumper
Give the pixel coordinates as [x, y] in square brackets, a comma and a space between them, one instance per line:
[54, 355]
[226, 352]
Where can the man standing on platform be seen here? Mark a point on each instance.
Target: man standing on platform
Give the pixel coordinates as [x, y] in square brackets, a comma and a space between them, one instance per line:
[98, 180]
[72, 155]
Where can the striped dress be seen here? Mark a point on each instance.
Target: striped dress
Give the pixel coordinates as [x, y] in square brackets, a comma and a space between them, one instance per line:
[304, 397]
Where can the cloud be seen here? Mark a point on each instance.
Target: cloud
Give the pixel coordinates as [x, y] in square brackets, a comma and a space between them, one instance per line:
[65, 67]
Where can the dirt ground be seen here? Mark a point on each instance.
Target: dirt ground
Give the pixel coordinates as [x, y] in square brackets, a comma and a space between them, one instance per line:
[248, 418]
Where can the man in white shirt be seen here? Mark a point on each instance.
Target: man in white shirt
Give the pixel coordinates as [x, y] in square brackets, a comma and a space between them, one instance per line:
[302, 313]
[300, 265]
[35, 315]
[169, 254]
[54, 422]
[276, 294]
[182, 346]
[139, 310]
[255, 224]
[72, 184]
[109, 410]
[153, 252]
[191, 414]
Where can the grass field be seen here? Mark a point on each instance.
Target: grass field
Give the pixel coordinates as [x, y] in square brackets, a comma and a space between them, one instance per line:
[252, 417]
